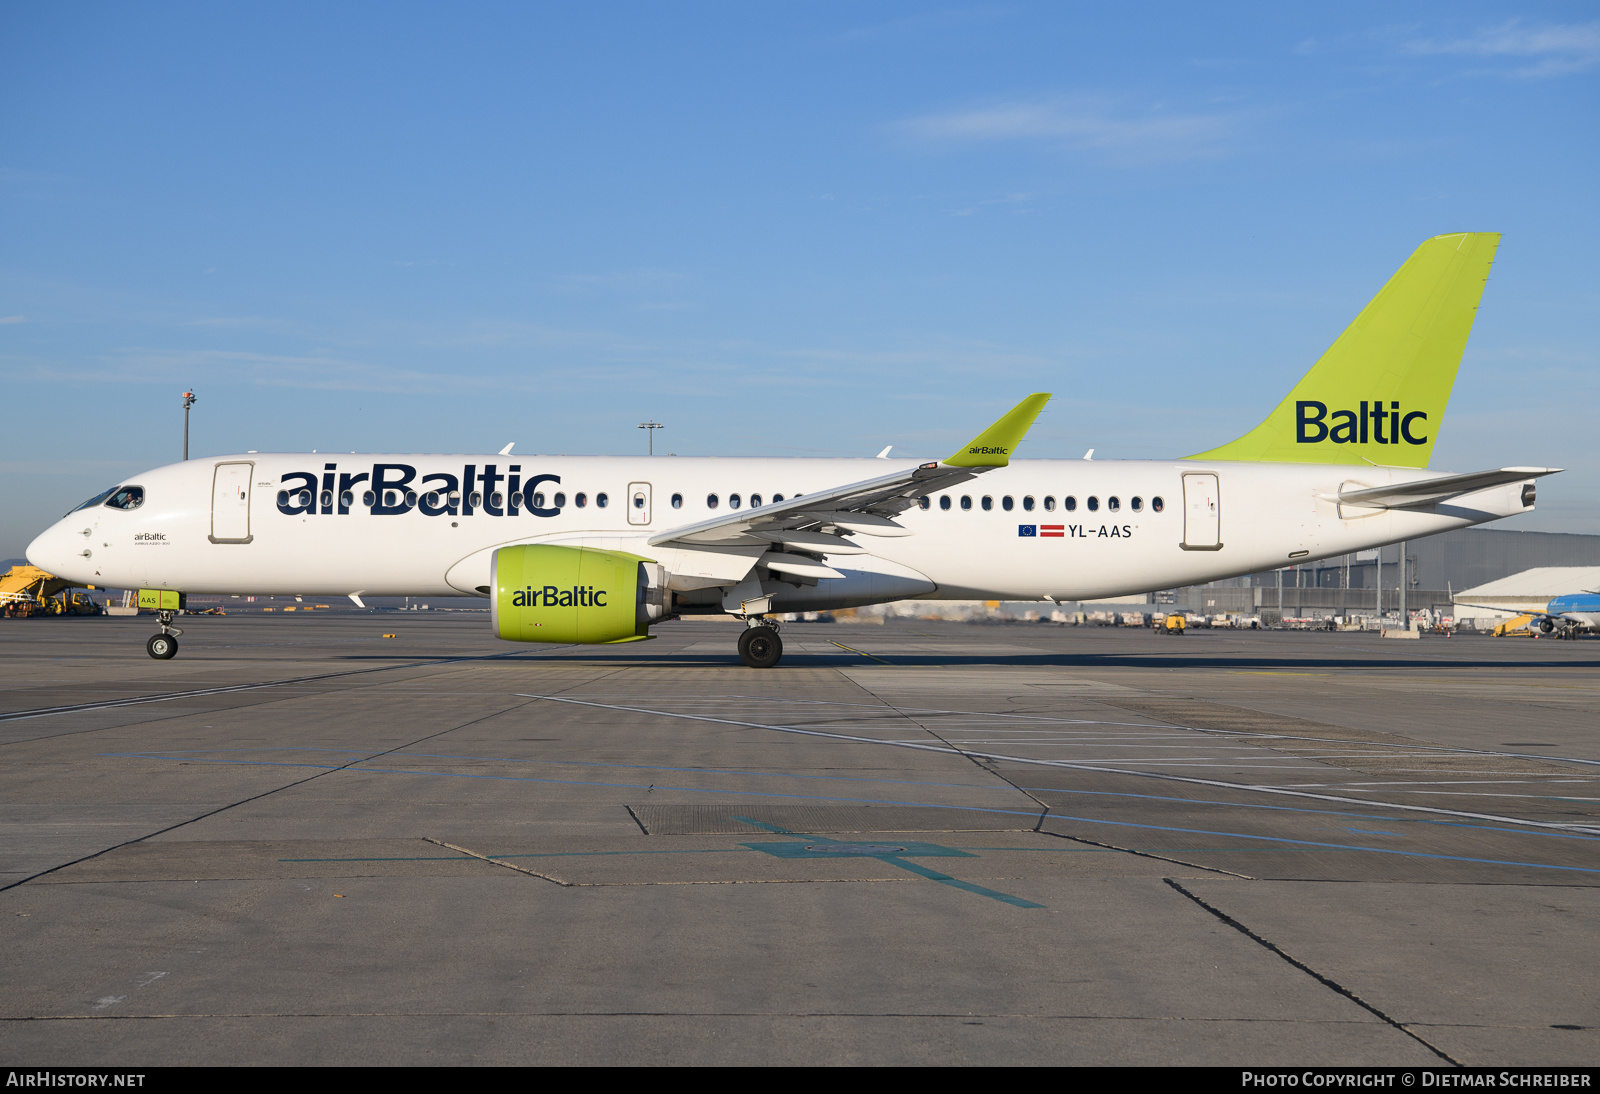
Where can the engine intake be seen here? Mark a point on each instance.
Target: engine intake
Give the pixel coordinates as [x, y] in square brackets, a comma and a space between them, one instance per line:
[546, 593]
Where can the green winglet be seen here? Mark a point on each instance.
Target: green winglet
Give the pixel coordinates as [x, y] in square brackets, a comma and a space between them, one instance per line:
[1377, 395]
[993, 447]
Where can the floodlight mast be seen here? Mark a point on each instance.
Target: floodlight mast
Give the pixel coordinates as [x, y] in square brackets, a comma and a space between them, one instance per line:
[650, 428]
[188, 401]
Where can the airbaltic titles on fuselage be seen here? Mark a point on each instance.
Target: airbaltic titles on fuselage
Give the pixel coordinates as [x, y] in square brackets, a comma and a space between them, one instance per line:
[391, 489]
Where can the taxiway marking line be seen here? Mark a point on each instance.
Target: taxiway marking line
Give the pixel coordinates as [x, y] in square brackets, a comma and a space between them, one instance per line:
[933, 805]
[1253, 788]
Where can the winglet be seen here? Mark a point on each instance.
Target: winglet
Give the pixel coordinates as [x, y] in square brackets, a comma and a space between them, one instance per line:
[993, 447]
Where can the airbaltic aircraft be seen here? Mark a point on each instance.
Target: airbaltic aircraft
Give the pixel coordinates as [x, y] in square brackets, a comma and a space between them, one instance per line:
[597, 549]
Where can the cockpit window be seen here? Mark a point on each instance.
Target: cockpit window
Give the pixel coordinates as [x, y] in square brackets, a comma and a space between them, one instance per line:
[96, 500]
[126, 497]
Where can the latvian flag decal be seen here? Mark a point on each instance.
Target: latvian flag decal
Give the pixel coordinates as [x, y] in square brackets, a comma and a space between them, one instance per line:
[1057, 530]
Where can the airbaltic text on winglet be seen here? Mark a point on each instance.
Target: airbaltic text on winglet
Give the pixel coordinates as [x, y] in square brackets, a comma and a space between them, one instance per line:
[986, 451]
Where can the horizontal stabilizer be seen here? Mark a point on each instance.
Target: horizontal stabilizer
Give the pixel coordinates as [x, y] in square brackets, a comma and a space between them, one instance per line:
[1424, 492]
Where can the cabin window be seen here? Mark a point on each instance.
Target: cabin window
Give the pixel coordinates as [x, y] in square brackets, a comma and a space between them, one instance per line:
[346, 499]
[711, 501]
[925, 502]
[368, 498]
[966, 501]
[1157, 504]
[536, 503]
[1005, 503]
[327, 500]
[411, 497]
[1137, 502]
[733, 501]
[1094, 503]
[602, 500]
[1069, 503]
[944, 502]
[498, 499]
[987, 503]
[580, 500]
[474, 499]
[1113, 503]
[677, 501]
[1050, 505]
[431, 498]
[755, 500]
[776, 498]
[560, 500]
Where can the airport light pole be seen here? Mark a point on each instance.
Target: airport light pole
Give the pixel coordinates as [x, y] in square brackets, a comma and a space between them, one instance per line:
[650, 428]
[188, 401]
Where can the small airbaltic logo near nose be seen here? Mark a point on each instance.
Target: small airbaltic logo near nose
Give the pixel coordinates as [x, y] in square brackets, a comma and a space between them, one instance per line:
[150, 537]
[1314, 424]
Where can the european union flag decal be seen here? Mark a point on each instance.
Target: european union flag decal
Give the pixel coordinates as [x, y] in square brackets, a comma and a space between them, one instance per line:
[1027, 529]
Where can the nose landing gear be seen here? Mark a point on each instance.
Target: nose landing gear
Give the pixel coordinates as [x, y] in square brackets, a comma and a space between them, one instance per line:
[164, 646]
[759, 644]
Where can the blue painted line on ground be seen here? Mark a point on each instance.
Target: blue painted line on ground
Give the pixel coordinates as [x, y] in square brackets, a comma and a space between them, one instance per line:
[922, 805]
[904, 864]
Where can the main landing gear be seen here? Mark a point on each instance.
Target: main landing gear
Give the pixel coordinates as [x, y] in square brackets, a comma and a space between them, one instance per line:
[164, 646]
[759, 645]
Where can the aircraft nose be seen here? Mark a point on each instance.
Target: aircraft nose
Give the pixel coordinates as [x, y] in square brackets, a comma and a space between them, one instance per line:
[54, 551]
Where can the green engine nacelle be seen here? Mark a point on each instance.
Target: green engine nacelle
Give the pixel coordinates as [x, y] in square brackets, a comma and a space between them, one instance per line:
[547, 593]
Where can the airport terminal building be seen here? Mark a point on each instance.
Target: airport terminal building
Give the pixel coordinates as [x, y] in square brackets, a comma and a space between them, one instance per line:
[1436, 570]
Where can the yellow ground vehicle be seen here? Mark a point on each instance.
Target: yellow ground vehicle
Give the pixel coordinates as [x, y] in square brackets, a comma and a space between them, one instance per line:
[1515, 628]
[27, 591]
[1169, 624]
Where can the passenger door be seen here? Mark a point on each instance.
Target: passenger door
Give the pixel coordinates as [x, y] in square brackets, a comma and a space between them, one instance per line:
[638, 503]
[230, 503]
[1202, 512]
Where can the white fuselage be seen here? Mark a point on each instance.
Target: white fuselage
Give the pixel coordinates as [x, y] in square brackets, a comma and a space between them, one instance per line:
[1250, 517]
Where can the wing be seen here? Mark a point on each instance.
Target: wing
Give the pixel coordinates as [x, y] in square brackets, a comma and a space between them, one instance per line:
[1424, 492]
[816, 523]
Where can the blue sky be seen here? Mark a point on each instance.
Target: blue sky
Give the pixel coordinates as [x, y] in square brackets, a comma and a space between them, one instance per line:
[805, 229]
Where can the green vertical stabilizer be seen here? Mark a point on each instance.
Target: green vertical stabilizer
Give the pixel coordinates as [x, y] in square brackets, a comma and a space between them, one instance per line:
[1379, 393]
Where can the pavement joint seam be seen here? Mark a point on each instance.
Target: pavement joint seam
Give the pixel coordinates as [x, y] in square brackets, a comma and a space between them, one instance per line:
[1325, 981]
[1589, 829]
[500, 862]
[258, 797]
